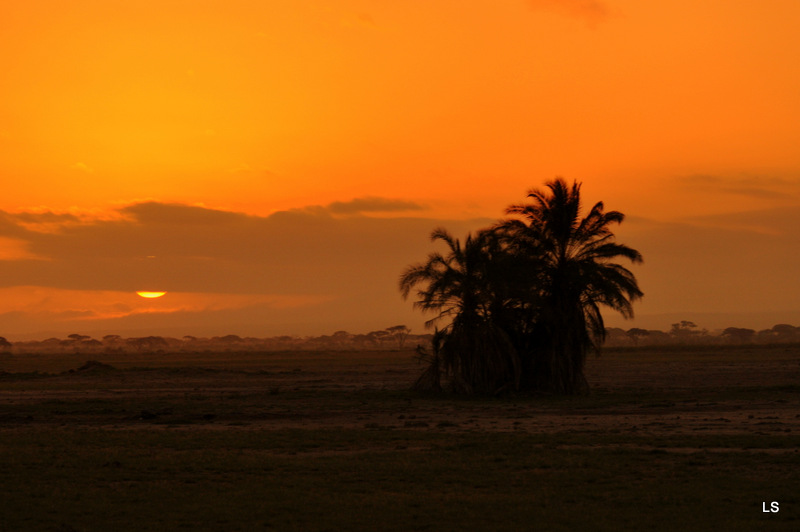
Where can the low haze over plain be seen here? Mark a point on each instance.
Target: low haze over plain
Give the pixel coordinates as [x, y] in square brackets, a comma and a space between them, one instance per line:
[273, 166]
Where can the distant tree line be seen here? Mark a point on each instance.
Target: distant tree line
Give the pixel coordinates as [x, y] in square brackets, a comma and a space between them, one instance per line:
[391, 338]
[687, 332]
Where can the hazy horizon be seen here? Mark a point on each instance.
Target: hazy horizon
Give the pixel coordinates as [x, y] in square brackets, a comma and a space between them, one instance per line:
[715, 323]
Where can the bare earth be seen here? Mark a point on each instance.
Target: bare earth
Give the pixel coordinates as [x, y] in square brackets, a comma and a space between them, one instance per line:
[647, 393]
[680, 438]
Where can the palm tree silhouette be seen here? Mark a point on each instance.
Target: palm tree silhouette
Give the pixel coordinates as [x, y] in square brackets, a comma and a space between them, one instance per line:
[524, 296]
[477, 354]
[574, 273]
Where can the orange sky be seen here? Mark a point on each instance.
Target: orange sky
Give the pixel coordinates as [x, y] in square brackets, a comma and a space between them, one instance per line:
[369, 116]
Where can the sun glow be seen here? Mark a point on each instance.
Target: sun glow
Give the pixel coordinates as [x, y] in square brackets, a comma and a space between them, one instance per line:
[150, 295]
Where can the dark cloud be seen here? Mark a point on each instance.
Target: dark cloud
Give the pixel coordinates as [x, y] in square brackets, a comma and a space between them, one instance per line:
[153, 212]
[372, 204]
[779, 221]
[196, 249]
[722, 263]
[351, 264]
[44, 217]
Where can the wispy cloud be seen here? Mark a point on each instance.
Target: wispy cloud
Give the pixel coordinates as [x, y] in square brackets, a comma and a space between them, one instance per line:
[776, 221]
[358, 20]
[756, 187]
[15, 249]
[68, 304]
[592, 11]
[42, 220]
[83, 167]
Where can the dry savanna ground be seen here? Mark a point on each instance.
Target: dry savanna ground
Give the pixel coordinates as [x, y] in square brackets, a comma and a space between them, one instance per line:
[669, 438]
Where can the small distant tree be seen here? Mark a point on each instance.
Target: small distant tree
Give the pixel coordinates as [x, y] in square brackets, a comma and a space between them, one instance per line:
[783, 332]
[378, 337]
[635, 333]
[615, 336]
[658, 337]
[765, 335]
[341, 338]
[683, 329]
[400, 333]
[739, 335]
[148, 343]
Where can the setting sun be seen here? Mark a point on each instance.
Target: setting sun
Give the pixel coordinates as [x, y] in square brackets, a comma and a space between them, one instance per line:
[150, 295]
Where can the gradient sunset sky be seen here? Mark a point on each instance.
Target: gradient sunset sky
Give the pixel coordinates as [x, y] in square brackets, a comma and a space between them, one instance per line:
[273, 166]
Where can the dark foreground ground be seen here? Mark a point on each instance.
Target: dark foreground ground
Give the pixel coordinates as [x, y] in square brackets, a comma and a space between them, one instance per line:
[679, 439]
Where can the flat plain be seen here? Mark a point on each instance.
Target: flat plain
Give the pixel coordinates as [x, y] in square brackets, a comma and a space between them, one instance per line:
[670, 438]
